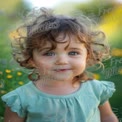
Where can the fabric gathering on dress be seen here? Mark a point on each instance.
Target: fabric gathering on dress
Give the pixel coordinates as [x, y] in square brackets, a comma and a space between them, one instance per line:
[80, 106]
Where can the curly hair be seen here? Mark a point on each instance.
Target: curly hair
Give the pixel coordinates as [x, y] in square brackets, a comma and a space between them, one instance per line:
[42, 26]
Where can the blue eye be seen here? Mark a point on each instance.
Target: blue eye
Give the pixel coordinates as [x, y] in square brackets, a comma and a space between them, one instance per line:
[73, 53]
[49, 54]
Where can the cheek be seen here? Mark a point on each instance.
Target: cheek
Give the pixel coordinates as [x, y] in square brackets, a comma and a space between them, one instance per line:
[79, 65]
[43, 65]
[80, 61]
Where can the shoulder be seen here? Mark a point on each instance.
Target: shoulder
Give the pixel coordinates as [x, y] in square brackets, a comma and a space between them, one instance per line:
[18, 93]
[17, 99]
[24, 88]
[103, 90]
[101, 86]
[96, 84]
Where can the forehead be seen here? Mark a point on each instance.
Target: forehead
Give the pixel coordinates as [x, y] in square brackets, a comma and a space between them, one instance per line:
[62, 41]
[65, 40]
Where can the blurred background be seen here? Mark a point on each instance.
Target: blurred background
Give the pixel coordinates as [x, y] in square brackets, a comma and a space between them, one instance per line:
[107, 14]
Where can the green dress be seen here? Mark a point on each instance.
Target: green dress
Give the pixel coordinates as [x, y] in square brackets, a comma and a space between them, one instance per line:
[80, 106]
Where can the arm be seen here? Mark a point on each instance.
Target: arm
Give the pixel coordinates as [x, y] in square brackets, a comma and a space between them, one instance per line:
[12, 116]
[106, 113]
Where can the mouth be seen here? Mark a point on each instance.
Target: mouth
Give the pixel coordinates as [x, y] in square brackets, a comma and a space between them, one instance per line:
[62, 70]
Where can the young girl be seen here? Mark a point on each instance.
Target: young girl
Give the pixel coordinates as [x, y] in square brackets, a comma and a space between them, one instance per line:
[59, 49]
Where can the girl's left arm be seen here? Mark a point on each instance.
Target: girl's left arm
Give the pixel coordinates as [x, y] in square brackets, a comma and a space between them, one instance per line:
[106, 113]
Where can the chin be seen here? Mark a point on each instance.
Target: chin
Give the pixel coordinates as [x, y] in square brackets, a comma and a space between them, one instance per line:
[63, 78]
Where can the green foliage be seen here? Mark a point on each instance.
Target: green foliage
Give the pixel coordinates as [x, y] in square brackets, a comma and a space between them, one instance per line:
[9, 20]
[96, 9]
[4, 26]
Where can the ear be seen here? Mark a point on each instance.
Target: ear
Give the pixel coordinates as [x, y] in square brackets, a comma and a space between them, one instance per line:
[88, 56]
[31, 63]
[88, 60]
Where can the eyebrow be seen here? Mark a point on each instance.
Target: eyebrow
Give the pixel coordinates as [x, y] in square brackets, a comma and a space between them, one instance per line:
[74, 48]
[45, 48]
[71, 48]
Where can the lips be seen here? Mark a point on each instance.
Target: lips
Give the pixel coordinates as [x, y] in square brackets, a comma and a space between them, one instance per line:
[61, 70]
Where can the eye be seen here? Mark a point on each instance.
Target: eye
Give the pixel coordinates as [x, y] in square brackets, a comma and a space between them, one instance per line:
[49, 54]
[73, 53]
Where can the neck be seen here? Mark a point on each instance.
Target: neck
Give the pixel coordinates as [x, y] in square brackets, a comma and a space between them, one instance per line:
[57, 88]
[55, 83]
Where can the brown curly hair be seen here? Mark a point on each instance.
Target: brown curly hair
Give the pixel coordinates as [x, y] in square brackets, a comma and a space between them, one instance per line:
[43, 26]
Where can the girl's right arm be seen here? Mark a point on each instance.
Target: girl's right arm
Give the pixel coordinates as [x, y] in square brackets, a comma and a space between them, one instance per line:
[12, 116]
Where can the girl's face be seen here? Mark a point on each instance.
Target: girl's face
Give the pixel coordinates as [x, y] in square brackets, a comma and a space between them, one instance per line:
[61, 64]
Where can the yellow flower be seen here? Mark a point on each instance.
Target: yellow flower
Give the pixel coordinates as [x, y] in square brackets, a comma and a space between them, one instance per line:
[19, 73]
[20, 82]
[1, 85]
[120, 71]
[8, 71]
[96, 76]
[17, 34]
[2, 91]
[1, 73]
[9, 76]
[116, 52]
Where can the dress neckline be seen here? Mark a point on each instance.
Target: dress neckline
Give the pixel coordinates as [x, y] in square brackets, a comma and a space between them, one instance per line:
[58, 96]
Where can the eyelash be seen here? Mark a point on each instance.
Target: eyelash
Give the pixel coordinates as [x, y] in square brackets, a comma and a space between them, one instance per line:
[74, 52]
[48, 53]
[52, 53]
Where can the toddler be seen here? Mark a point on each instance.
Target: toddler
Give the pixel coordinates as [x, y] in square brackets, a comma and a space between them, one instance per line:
[58, 49]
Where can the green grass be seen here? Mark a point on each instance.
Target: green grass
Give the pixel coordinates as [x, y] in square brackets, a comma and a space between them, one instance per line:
[1, 119]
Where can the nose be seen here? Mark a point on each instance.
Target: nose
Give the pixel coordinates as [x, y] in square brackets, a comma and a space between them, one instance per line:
[61, 60]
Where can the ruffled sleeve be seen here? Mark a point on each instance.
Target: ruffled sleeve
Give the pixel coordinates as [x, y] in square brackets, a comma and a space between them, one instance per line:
[107, 90]
[13, 100]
